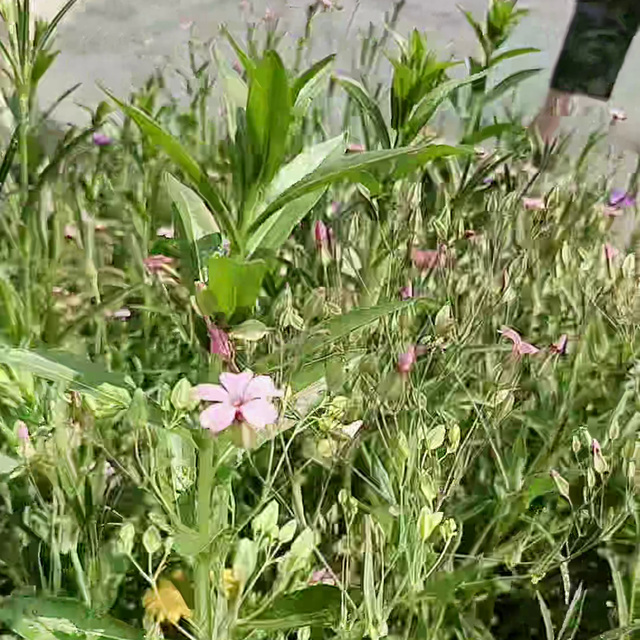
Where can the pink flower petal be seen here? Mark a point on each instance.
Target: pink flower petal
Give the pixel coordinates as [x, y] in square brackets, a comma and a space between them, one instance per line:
[261, 387]
[407, 360]
[218, 417]
[259, 413]
[210, 393]
[426, 259]
[525, 348]
[511, 334]
[533, 204]
[236, 384]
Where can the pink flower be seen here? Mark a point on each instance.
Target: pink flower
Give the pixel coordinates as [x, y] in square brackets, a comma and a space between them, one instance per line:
[406, 293]
[620, 199]
[520, 348]
[102, 140]
[321, 235]
[323, 576]
[560, 347]
[240, 397]
[326, 4]
[165, 232]
[533, 204]
[355, 148]
[237, 67]
[610, 252]
[219, 342]
[406, 360]
[425, 259]
[185, 25]
[157, 263]
[22, 432]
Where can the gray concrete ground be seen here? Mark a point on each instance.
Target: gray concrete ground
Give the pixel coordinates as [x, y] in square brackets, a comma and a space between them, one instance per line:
[119, 42]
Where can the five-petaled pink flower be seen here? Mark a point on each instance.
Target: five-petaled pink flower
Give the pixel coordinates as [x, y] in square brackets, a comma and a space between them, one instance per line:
[239, 397]
[406, 360]
[520, 347]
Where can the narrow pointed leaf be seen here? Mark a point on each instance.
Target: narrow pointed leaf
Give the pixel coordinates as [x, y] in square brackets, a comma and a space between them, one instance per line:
[513, 53]
[369, 106]
[509, 83]
[312, 72]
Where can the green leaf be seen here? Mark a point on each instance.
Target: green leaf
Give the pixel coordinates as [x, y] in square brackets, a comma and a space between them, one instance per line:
[477, 28]
[246, 62]
[196, 218]
[234, 93]
[269, 112]
[491, 131]
[546, 617]
[7, 464]
[513, 53]
[16, 609]
[344, 167]
[424, 110]
[369, 106]
[235, 284]
[178, 154]
[317, 606]
[509, 83]
[308, 76]
[275, 231]
[9, 154]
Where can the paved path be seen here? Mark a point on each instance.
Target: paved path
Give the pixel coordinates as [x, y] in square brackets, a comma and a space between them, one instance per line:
[118, 42]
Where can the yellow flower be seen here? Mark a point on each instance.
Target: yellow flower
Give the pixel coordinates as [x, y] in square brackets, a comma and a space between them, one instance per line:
[165, 604]
[230, 584]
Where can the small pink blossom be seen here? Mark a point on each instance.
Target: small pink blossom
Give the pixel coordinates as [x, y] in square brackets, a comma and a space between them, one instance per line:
[157, 263]
[219, 342]
[269, 15]
[425, 259]
[165, 232]
[560, 347]
[185, 25]
[355, 148]
[323, 576]
[239, 397]
[326, 4]
[610, 252]
[22, 431]
[406, 293]
[520, 347]
[406, 360]
[321, 235]
[102, 140]
[533, 204]
[237, 67]
[620, 199]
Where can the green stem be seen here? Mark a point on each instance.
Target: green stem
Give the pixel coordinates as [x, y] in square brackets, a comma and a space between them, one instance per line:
[82, 585]
[203, 583]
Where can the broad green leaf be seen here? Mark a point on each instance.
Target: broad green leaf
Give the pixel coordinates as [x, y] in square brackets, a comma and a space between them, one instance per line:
[309, 76]
[269, 112]
[196, 218]
[345, 167]
[7, 464]
[513, 53]
[266, 522]
[172, 147]
[15, 609]
[310, 90]
[245, 559]
[234, 284]
[304, 164]
[369, 106]
[509, 83]
[425, 109]
[275, 231]
[235, 94]
[314, 607]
